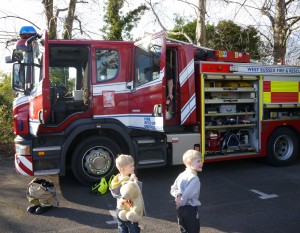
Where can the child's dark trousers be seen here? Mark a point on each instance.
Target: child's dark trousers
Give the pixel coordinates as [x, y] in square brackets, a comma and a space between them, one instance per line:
[188, 219]
[127, 226]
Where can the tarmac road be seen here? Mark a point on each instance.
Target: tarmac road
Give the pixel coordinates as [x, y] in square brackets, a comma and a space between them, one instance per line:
[245, 196]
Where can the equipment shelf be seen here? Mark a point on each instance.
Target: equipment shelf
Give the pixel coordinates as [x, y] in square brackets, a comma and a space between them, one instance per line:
[227, 98]
[221, 153]
[230, 114]
[224, 101]
[230, 126]
[229, 89]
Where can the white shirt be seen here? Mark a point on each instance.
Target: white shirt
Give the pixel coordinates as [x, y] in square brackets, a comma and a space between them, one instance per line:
[188, 185]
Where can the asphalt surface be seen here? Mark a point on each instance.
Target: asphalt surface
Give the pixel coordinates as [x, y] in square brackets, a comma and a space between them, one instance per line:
[245, 196]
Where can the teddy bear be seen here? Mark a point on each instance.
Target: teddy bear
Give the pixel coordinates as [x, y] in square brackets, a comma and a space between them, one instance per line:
[131, 203]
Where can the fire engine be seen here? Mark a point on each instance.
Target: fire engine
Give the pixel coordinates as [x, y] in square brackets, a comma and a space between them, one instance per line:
[83, 102]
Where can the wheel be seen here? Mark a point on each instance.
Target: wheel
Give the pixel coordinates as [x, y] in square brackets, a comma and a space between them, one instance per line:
[94, 158]
[283, 147]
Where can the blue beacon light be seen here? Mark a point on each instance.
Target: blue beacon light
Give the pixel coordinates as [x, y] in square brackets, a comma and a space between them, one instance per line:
[27, 32]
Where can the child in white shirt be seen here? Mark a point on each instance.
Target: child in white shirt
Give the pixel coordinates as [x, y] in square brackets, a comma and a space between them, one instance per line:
[186, 190]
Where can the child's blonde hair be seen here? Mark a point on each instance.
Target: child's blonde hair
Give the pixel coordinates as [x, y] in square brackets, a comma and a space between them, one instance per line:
[189, 155]
[123, 160]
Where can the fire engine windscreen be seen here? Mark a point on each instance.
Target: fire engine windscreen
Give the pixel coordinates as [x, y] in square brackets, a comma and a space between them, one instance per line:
[147, 57]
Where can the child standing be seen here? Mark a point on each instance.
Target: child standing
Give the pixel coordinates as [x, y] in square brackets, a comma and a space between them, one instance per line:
[125, 165]
[186, 190]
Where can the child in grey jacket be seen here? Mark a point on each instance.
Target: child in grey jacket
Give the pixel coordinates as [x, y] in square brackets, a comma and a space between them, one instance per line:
[186, 190]
[125, 165]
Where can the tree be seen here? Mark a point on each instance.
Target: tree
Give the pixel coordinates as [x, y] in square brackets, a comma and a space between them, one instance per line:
[229, 36]
[118, 26]
[282, 25]
[200, 29]
[200, 12]
[284, 18]
[50, 18]
[6, 99]
[52, 14]
[226, 35]
[184, 30]
[68, 24]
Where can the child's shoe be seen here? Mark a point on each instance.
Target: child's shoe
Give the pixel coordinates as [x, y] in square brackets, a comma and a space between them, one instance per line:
[42, 209]
[31, 209]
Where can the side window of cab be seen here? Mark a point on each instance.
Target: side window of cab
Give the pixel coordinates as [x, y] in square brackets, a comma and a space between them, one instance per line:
[147, 61]
[107, 63]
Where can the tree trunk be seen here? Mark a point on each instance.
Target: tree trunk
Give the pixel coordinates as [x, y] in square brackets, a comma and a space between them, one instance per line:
[279, 32]
[51, 19]
[200, 28]
[68, 25]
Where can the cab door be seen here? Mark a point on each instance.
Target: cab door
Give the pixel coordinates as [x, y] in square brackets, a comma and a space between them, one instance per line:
[147, 96]
[39, 100]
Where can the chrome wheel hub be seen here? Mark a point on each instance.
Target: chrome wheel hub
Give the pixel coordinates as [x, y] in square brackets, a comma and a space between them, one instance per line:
[97, 161]
[283, 148]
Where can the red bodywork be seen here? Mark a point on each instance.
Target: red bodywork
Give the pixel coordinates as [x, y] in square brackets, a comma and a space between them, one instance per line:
[122, 101]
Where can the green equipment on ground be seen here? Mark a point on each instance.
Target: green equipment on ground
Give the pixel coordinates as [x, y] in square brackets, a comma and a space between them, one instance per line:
[102, 186]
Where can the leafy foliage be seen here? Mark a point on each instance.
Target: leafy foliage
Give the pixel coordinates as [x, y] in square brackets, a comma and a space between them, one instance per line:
[61, 76]
[226, 35]
[229, 36]
[189, 27]
[116, 26]
[6, 99]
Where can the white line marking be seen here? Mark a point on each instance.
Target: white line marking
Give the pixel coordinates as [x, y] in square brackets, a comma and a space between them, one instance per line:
[113, 214]
[263, 195]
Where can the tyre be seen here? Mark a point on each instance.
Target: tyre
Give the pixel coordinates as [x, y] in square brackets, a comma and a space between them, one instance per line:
[94, 158]
[283, 147]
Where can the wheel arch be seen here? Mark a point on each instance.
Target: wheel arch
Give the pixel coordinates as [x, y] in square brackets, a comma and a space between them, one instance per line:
[112, 130]
[277, 130]
[289, 127]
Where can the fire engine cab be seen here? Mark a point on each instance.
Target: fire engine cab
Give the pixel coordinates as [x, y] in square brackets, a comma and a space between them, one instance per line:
[81, 103]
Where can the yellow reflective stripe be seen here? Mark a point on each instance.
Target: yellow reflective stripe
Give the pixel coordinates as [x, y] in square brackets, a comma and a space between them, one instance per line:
[202, 101]
[286, 86]
[261, 94]
[267, 97]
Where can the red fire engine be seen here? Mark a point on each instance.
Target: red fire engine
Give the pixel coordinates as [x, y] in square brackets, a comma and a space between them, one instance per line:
[83, 102]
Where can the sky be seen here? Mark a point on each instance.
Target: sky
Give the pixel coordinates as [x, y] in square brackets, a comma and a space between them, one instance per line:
[32, 10]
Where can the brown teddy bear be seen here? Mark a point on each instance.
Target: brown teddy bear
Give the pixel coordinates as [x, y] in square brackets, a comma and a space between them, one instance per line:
[131, 204]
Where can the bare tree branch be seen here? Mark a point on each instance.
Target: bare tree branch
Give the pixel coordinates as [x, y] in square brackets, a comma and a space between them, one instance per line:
[17, 17]
[183, 34]
[189, 3]
[60, 10]
[149, 2]
[80, 25]
[294, 21]
[282, 25]
[289, 2]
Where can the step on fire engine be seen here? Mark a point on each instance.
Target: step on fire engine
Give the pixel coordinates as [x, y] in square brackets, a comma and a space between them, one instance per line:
[83, 102]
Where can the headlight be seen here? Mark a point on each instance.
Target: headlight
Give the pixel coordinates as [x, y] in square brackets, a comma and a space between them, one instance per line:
[22, 149]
